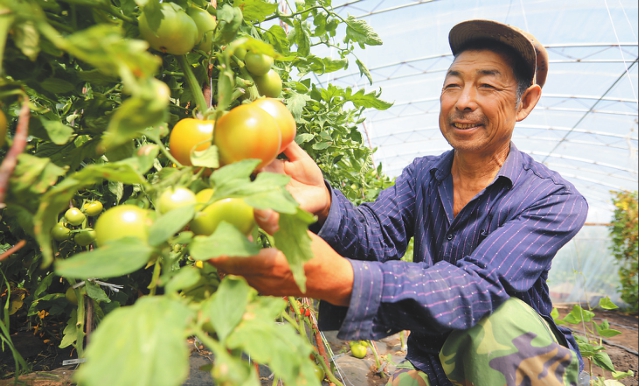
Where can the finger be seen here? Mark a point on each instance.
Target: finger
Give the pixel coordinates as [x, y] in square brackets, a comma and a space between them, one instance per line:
[267, 219]
[293, 152]
[276, 166]
[243, 266]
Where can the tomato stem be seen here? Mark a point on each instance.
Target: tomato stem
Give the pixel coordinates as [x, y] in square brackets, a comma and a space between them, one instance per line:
[192, 83]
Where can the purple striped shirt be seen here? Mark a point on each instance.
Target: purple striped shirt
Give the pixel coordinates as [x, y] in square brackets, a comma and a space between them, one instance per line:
[500, 245]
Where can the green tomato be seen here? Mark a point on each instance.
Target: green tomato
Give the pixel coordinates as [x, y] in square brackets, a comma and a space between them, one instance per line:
[74, 216]
[177, 33]
[172, 199]
[92, 208]
[232, 210]
[319, 372]
[71, 296]
[358, 350]
[258, 64]
[60, 232]
[122, 221]
[206, 24]
[269, 85]
[84, 237]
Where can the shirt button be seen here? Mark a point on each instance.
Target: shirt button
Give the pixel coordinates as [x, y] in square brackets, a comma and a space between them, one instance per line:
[450, 236]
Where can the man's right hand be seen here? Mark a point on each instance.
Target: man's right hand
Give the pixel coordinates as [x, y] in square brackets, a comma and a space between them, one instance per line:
[307, 186]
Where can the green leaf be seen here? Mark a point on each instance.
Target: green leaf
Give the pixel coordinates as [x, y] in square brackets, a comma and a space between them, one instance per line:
[96, 293]
[578, 315]
[57, 86]
[146, 344]
[27, 39]
[229, 21]
[296, 103]
[292, 239]
[301, 39]
[255, 11]
[360, 32]
[186, 277]
[114, 259]
[369, 100]
[364, 70]
[169, 224]
[607, 304]
[279, 346]
[277, 37]
[604, 329]
[622, 374]
[206, 158]
[226, 81]
[225, 241]
[69, 334]
[58, 132]
[602, 359]
[226, 307]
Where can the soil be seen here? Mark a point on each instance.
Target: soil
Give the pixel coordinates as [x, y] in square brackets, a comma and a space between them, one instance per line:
[46, 358]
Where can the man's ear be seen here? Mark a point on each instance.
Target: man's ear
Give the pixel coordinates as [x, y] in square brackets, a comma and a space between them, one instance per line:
[529, 99]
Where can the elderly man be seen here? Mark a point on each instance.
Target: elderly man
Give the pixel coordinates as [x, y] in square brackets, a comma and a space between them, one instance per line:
[486, 220]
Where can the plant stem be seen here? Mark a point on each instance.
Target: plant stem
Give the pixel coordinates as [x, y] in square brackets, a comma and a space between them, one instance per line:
[192, 83]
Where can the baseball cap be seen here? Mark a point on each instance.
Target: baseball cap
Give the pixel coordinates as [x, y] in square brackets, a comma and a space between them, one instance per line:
[526, 45]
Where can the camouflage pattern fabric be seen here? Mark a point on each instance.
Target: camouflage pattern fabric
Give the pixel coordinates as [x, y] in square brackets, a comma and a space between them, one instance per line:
[514, 346]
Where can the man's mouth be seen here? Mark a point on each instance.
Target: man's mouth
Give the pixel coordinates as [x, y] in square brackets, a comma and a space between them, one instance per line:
[465, 126]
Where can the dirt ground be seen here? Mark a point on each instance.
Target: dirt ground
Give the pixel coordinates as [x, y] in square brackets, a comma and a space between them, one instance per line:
[46, 359]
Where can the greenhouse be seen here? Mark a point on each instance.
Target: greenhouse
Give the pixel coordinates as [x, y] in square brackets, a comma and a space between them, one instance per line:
[148, 146]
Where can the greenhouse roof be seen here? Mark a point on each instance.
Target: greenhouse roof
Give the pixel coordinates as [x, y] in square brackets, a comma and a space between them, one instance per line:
[586, 124]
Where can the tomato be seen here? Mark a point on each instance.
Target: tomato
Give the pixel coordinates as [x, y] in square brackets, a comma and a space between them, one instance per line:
[232, 210]
[319, 372]
[71, 296]
[74, 216]
[84, 237]
[60, 232]
[269, 85]
[283, 117]
[3, 128]
[206, 24]
[177, 33]
[247, 132]
[358, 350]
[187, 135]
[122, 221]
[240, 53]
[174, 198]
[258, 64]
[92, 208]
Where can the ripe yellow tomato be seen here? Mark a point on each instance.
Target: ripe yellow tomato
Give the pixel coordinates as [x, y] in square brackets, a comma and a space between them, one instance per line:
[247, 132]
[283, 117]
[187, 135]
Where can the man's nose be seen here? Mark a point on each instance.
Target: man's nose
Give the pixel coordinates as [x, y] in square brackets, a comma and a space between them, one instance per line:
[467, 99]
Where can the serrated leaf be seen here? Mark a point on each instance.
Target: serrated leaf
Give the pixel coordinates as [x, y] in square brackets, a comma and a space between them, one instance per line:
[58, 132]
[296, 103]
[226, 307]
[225, 241]
[205, 158]
[255, 11]
[301, 39]
[360, 32]
[170, 223]
[292, 239]
[146, 344]
[229, 21]
[114, 259]
[186, 277]
[369, 100]
[277, 37]
[69, 334]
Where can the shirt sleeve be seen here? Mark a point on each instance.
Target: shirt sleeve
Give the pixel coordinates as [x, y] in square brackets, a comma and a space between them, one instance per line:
[389, 296]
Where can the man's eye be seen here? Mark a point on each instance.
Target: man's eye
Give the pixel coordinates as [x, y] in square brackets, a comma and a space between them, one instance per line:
[485, 85]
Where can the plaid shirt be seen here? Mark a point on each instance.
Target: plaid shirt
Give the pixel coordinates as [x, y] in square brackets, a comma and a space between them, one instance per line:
[500, 245]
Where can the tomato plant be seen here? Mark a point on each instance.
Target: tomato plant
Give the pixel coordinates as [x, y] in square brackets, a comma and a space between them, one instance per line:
[247, 132]
[283, 117]
[176, 34]
[115, 121]
[122, 221]
[188, 135]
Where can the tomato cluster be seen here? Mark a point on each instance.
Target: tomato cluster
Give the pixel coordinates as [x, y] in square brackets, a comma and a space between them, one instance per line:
[267, 81]
[180, 30]
[73, 224]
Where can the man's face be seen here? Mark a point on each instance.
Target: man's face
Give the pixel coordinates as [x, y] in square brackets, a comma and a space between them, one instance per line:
[478, 103]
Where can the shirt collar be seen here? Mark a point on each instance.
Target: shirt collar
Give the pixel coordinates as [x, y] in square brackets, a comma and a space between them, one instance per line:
[510, 169]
